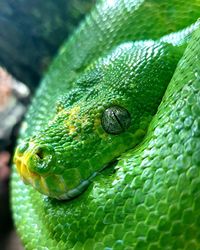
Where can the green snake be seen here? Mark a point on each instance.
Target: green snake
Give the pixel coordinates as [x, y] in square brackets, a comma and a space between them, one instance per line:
[112, 138]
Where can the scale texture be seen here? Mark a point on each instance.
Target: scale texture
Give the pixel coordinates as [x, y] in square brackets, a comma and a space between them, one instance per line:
[149, 197]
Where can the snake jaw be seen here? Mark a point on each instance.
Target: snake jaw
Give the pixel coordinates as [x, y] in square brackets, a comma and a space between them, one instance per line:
[39, 182]
[31, 168]
[54, 185]
[44, 184]
[20, 159]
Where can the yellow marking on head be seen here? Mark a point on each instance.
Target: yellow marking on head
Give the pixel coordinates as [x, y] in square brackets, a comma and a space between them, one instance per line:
[73, 119]
[20, 160]
[74, 111]
[72, 129]
[98, 128]
[61, 183]
[72, 115]
[70, 112]
[97, 123]
[44, 186]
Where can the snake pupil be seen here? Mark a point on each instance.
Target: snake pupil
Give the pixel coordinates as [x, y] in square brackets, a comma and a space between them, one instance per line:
[116, 120]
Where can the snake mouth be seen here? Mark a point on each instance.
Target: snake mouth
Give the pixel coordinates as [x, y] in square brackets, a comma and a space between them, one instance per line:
[28, 163]
[52, 185]
[39, 182]
[22, 168]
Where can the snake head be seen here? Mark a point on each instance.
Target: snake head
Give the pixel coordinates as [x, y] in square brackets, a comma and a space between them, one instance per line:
[107, 113]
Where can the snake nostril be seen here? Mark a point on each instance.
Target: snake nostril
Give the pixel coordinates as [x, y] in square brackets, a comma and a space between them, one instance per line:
[40, 153]
[44, 153]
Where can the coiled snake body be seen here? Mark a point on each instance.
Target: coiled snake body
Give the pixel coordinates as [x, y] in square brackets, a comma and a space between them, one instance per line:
[111, 140]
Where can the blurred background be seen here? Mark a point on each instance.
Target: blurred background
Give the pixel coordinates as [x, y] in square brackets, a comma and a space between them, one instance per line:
[30, 34]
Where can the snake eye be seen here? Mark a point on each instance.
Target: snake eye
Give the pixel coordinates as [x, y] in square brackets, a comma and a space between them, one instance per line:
[115, 120]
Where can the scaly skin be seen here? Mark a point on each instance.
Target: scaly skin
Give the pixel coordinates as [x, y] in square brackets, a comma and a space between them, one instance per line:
[148, 198]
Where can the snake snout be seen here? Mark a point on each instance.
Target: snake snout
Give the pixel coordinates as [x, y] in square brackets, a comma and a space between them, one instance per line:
[32, 159]
[40, 160]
